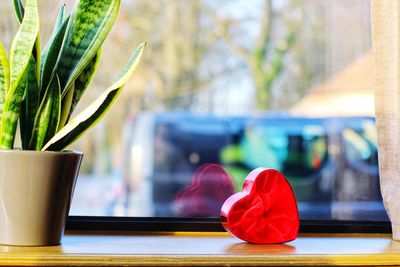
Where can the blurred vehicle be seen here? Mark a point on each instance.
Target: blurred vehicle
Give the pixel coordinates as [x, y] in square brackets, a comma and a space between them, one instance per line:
[330, 162]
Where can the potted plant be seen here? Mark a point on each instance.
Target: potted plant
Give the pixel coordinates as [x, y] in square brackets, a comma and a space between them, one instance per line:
[39, 91]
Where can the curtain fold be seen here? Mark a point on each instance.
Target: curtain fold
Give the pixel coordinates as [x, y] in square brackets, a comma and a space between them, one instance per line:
[385, 28]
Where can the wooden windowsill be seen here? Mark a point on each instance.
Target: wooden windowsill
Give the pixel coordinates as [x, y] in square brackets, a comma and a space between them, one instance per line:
[205, 249]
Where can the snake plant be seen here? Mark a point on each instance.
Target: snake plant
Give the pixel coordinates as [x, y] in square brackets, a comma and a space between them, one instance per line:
[39, 90]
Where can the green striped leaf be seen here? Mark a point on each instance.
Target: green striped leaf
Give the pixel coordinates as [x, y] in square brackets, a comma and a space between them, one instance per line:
[11, 113]
[4, 76]
[60, 21]
[29, 105]
[22, 45]
[36, 55]
[78, 89]
[21, 50]
[84, 79]
[49, 57]
[19, 12]
[88, 26]
[94, 112]
[66, 106]
[48, 116]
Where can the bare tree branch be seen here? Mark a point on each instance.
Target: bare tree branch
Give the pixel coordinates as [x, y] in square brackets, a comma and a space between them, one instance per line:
[265, 31]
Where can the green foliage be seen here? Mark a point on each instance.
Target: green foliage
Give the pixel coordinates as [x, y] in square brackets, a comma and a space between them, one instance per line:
[40, 91]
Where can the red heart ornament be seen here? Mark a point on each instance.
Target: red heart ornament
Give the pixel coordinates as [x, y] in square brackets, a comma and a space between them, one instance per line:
[265, 211]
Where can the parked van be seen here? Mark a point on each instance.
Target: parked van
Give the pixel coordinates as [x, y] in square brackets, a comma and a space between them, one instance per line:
[328, 161]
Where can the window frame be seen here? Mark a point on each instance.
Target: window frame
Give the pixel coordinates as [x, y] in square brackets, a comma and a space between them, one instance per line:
[173, 224]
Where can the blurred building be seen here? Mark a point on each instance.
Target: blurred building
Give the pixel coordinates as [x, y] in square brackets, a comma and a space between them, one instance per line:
[347, 93]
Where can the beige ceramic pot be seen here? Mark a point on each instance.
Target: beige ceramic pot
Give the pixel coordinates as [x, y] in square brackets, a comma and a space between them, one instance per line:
[35, 195]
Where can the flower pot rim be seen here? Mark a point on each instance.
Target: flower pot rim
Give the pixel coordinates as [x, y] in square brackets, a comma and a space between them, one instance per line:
[21, 151]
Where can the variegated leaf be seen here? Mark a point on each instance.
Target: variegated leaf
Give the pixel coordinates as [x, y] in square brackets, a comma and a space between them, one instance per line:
[21, 50]
[60, 19]
[48, 116]
[29, 105]
[22, 45]
[4, 76]
[11, 113]
[49, 57]
[59, 23]
[66, 103]
[94, 112]
[88, 26]
[19, 12]
[79, 87]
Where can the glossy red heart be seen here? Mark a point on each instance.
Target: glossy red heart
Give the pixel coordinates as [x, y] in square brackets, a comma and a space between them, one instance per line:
[265, 211]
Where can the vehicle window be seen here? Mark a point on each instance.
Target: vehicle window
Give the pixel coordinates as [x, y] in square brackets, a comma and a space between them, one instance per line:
[224, 87]
[360, 144]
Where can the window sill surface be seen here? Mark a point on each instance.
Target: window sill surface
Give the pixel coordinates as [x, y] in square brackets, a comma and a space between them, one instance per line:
[205, 249]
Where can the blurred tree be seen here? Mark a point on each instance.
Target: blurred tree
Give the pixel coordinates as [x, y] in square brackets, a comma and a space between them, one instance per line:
[265, 55]
[179, 36]
[304, 63]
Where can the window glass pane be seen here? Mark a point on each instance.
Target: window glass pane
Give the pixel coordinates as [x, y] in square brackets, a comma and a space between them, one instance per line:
[224, 87]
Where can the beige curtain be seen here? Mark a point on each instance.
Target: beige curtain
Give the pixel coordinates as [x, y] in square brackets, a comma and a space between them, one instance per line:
[386, 47]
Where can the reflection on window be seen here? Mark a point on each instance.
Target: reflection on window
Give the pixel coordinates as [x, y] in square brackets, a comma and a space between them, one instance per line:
[360, 145]
[330, 162]
[227, 86]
